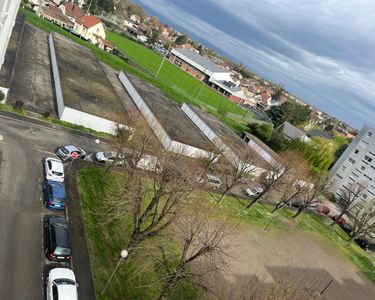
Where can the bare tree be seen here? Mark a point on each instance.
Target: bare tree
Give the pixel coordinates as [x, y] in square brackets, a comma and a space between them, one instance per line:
[310, 195]
[363, 221]
[348, 199]
[200, 241]
[295, 180]
[272, 178]
[236, 172]
[153, 196]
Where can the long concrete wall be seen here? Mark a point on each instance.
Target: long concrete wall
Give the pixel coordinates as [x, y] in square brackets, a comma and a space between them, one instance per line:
[56, 76]
[90, 121]
[155, 125]
[217, 141]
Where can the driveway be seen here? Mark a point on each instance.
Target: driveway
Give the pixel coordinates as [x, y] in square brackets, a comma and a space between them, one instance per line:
[22, 147]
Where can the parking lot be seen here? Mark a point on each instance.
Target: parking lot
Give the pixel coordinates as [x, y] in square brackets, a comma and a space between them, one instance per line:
[22, 149]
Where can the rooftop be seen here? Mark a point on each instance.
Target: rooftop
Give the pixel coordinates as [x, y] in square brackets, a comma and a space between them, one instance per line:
[177, 125]
[198, 59]
[89, 21]
[291, 131]
[84, 83]
[228, 137]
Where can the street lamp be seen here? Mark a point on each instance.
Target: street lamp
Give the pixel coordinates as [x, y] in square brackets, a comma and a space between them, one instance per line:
[123, 254]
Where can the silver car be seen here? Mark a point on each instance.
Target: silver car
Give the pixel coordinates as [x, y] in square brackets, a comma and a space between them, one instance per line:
[65, 152]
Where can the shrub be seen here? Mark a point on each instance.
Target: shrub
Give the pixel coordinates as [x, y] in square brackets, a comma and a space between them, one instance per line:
[46, 114]
[18, 104]
[2, 95]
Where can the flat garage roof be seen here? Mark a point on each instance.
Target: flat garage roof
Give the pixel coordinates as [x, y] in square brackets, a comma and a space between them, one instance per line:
[84, 83]
[177, 125]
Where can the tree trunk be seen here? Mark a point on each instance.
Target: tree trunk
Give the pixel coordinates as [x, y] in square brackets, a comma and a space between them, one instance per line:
[223, 195]
[251, 204]
[300, 210]
[278, 206]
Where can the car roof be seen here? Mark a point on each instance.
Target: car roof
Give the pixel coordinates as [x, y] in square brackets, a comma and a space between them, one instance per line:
[210, 176]
[67, 292]
[57, 165]
[58, 189]
[61, 273]
[71, 148]
[61, 229]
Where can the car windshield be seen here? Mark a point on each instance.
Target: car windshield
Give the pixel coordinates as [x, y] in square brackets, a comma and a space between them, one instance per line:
[59, 251]
[61, 281]
[64, 150]
[213, 180]
[107, 154]
[57, 173]
[254, 190]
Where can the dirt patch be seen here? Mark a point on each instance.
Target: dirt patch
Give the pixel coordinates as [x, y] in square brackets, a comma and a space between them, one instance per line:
[293, 256]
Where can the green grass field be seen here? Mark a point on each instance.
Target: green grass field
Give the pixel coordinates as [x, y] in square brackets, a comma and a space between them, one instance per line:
[183, 88]
[171, 75]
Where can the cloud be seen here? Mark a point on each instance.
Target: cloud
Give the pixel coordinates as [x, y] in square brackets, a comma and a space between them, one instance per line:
[306, 46]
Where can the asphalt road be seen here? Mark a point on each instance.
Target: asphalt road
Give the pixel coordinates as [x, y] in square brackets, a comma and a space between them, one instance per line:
[22, 148]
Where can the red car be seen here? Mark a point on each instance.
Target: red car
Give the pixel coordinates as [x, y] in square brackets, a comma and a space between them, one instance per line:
[341, 221]
[323, 210]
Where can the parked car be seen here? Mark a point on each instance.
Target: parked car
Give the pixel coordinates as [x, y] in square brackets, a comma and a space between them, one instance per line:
[108, 157]
[254, 191]
[54, 195]
[323, 210]
[61, 284]
[210, 180]
[149, 163]
[54, 169]
[340, 222]
[57, 239]
[65, 152]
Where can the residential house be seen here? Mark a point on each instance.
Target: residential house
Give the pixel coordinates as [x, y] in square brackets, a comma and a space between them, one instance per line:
[53, 14]
[72, 11]
[90, 28]
[166, 31]
[291, 132]
[136, 19]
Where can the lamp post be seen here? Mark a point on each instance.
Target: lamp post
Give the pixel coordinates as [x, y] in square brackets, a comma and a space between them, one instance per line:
[123, 255]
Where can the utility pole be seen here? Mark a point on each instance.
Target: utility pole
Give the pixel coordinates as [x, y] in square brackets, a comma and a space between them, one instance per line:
[162, 62]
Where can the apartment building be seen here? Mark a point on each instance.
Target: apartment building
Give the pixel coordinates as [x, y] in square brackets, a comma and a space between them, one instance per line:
[8, 13]
[356, 165]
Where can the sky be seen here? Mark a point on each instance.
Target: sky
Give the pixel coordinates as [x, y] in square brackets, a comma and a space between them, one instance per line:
[323, 51]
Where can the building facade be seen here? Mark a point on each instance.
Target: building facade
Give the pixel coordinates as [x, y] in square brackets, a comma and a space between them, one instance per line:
[356, 165]
[8, 13]
[90, 28]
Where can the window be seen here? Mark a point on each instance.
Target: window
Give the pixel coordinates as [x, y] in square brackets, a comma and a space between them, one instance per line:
[371, 192]
[369, 134]
[368, 158]
[355, 175]
[356, 151]
[337, 175]
[351, 179]
[364, 144]
[368, 177]
[343, 168]
[363, 168]
[351, 161]
[364, 196]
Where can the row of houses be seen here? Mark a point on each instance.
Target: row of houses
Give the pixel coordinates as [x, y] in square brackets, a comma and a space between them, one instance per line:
[69, 15]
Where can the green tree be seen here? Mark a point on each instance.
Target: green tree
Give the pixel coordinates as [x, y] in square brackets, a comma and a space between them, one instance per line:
[278, 142]
[98, 6]
[262, 131]
[320, 154]
[292, 112]
[182, 39]
[278, 92]
[154, 37]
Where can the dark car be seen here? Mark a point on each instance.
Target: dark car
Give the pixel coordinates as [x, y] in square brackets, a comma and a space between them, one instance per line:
[340, 222]
[65, 152]
[57, 239]
[54, 195]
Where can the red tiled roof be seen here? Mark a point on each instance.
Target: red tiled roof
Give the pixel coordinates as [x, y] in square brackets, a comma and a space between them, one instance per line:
[107, 44]
[89, 21]
[73, 10]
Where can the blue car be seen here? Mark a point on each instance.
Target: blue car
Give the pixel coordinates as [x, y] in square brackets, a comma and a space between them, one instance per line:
[54, 195]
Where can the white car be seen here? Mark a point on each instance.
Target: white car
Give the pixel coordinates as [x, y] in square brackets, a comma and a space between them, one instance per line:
[149, 163]
[108, 157]
[61, 284]
[54, 169]
[254, 191]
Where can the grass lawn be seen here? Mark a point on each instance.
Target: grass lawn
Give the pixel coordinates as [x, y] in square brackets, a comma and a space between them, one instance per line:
[133, 279]
[182, 89]
[6, 107]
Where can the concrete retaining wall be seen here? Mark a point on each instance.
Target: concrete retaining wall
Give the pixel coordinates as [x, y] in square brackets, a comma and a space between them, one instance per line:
[216, 140]
[89, 121]
[56, 77]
